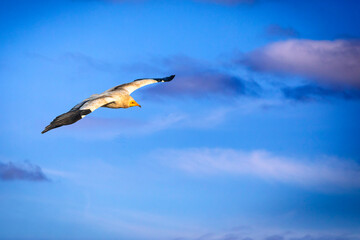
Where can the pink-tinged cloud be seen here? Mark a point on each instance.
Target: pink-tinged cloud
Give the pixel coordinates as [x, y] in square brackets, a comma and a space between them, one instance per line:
[325, 172]
[329, 62]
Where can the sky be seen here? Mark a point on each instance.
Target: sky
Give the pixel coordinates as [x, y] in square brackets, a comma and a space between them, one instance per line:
[256, 138]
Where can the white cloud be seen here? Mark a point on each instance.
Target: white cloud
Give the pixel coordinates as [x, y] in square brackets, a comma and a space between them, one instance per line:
[327, 172]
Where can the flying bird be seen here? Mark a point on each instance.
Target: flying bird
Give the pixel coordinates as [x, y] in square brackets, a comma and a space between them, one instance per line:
[116, 97]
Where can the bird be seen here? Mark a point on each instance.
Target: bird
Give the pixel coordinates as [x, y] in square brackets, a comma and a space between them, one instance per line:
[115, 97]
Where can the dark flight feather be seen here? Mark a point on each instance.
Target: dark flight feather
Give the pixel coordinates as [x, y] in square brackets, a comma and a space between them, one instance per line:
[66, 119]
[165, 79]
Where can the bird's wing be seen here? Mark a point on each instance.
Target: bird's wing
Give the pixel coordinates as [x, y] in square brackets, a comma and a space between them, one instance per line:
[79, 111]
[92, 97]
[97, 102]
[138, 83]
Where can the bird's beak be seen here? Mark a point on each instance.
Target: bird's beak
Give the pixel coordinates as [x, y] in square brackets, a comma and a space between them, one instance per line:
[139, 105]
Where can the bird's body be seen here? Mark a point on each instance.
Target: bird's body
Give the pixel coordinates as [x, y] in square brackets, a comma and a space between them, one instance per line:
[116, 97]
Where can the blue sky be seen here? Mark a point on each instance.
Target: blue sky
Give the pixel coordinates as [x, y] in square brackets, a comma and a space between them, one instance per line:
[257, 137]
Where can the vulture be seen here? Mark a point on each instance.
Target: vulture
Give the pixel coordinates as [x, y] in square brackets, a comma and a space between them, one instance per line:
[116, 97]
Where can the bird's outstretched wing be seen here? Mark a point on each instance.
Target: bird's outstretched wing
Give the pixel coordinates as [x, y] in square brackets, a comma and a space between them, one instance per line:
[138, 83]
[79, 111]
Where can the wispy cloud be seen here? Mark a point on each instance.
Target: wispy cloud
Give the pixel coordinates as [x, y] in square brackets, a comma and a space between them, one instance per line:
[106, 128]
[287, 236]
[282, 236]
[223, 2]
[78, 59]
[326, 172]
[266, 233]
[140, 224]
[312, 92]
[198, 79]
[21, 171]
[228, 2]
[275, 30]
[329, 62]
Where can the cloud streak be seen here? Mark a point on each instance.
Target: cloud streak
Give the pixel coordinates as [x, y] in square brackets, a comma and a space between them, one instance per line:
[228, 2]
[326, 172]
[222, 2]
[328, 62]
[199, 79]
[311, 92]
[281, 236]
[106, 128]
[25, 171]
[275, 30]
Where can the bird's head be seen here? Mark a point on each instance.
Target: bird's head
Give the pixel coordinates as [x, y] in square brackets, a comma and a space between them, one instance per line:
[133, 103]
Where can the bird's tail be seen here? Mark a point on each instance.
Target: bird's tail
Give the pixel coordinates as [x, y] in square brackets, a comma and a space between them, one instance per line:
[66, 119]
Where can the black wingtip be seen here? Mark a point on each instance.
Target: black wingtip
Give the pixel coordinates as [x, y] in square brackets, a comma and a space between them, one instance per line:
[168, 79]
[45, 130]
[48, 128]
